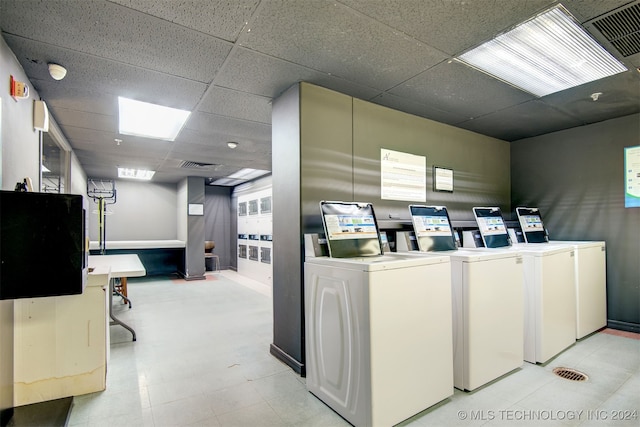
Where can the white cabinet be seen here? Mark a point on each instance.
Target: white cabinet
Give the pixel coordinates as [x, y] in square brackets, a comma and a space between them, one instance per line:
[61, 343]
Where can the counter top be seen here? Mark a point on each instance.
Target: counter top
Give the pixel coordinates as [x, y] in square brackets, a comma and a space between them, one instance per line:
[138, 244]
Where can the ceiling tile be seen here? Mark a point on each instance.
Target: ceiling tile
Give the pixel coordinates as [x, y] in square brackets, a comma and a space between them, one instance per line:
[452, 87]
[254, 72]
[241, 105]
[208, 123]
[108, 30]
[417, 108]
[330, 37]
[585, 10]
[619, 94]
[220, 18]
[82, 119]
[452, 25]
[528, 119]
[103, 75]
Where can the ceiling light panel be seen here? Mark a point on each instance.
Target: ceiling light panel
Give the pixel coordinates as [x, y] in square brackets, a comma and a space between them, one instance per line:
[150, 120]
[546, 54]
[141, 174]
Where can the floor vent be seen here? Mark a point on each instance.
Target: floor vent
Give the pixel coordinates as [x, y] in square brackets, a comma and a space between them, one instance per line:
[570, 374]
[620, 28]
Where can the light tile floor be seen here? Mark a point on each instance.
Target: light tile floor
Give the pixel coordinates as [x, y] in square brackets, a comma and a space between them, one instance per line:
[202, 359]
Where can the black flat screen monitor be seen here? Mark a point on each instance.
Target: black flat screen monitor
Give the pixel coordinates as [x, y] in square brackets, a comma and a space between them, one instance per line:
[351, 229]
[42, 245]
[531, 225]
[433, 228]
[492, 227]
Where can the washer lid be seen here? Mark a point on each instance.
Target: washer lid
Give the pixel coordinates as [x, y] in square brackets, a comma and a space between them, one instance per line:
[579, 244]
[484, 254]
[541, 249]
[378, 263]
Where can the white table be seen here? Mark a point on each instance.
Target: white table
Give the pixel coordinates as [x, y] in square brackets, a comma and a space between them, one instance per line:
[122, 266]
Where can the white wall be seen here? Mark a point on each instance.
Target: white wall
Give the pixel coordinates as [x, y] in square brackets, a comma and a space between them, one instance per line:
[20, 142]
[143, 211]
[259, 224]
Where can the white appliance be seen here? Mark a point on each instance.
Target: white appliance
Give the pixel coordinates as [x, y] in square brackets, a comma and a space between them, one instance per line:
[590, 266]
[488, 301]
[549, 286]
[488, 316]
[590, 272]
[550, 300]
[378, 335]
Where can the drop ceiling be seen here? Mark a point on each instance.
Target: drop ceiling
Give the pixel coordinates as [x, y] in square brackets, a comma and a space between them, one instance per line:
[227, 60]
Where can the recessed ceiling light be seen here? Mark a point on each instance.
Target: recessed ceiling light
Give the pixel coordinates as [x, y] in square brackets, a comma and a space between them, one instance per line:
[248, 173]
[243, 175]
[135, 173]
[150, 120]
[232, 144]
[546, 54]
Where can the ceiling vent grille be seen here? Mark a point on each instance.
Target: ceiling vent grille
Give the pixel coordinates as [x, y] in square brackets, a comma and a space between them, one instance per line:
[620, 28]
[187, 164]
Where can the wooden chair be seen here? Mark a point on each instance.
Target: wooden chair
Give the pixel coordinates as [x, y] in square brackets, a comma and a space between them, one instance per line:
[211, 260]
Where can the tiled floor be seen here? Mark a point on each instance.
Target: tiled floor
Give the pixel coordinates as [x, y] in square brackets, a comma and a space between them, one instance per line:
[202, 359]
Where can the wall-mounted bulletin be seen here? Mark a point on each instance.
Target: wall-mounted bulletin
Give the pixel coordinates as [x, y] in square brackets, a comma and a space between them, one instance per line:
[196, 209]
[632, 177]
[253, 207]
[442, 179]
[242, 209]
[403, 176]
[265, 205]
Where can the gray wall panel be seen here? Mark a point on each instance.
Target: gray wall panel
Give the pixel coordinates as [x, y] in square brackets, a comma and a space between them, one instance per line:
[326, 151]
[480, 163]
[326, 146]
[288, 300]
[217, 222]
[194, 250]
[576, 178]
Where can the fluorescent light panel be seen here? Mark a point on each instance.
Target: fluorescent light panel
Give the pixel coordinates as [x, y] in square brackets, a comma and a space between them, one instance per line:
[248, 173]
[135, 173]
[546, 54]
[150, 120]
[243, 175]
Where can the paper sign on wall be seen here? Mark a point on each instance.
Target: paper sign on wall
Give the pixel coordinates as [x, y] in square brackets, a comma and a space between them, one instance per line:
[196, 209]
[403, 176]
[632, 177]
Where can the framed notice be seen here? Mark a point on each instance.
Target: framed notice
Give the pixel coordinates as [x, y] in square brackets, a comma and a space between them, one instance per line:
[442, 179]
[403, 176]
[196, 209]
[632, 177]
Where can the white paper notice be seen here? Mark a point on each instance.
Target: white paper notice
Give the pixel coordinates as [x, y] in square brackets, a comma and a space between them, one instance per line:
[632, 177]
[402, 176]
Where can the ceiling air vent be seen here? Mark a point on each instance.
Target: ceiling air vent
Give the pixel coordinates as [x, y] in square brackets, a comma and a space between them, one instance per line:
[186, 164]
[620, 28]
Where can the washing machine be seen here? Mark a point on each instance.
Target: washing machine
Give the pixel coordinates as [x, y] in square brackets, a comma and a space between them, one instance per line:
[549, 288]
[589, 271]
[487, 298]
[591, 285]
[378, 328]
